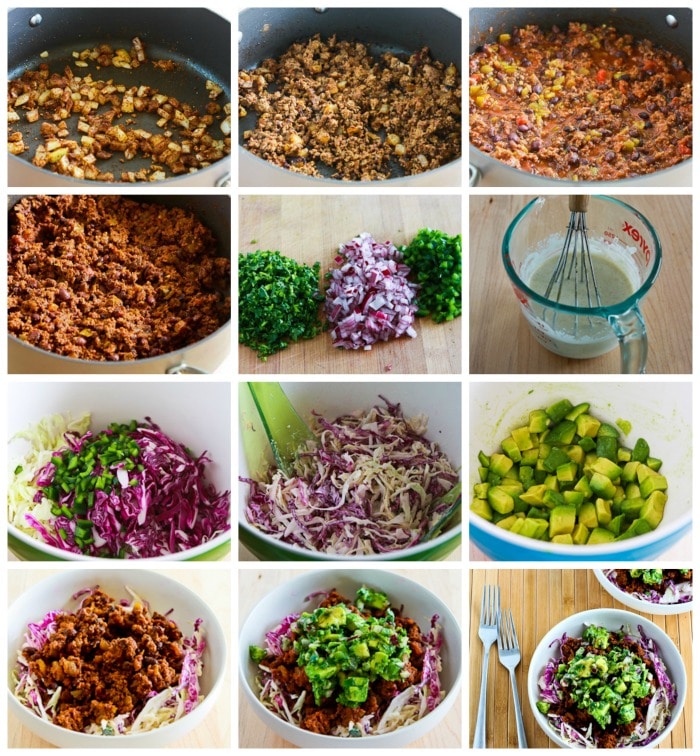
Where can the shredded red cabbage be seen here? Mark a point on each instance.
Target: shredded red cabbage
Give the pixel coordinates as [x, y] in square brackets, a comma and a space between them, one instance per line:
[372, 486]
[369, 297]
[166, 507]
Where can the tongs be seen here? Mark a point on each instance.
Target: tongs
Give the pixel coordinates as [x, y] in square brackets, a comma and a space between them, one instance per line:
[285, 430]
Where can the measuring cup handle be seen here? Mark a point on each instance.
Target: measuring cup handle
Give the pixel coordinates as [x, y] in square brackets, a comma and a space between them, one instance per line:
[631, 332]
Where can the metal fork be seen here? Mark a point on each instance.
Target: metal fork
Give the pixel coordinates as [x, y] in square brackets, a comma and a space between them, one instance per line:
[488, 633]
[509, 656]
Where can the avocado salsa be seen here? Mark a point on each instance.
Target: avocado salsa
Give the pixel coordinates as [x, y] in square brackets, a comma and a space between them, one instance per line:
[607, 689]
[350, 668]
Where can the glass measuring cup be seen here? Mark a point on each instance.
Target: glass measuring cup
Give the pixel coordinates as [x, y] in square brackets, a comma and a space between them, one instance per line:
[626, 258]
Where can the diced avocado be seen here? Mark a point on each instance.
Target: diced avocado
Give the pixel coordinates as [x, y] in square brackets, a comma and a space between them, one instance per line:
[575, 453]
[526, 475]
[608, 430]
[640, 452]
[606, 467]
[559, 410]
[619, 495]
[653, 509]
[574, 498]
[654, 463]
[587, 515]
[551, 482]
[523, 438]
[629, 471]
[615, 525]
[480, 490]
[517, 526]
[624, 425]
[481, 508]
[530, 456]
[500, 501]
[602, 486]
[562, 519]
[579, 409]
[507, 522]
[538, 421]
[520, 505]
[586, 443]
[360, 649]
[552, 499]
[500, 464]
[538, 513]
[510, 447]
[543, 450]
[638, 527]
[587, 426]
[580, 534]
[534, 494]
[654, 482]
[606, 447]
[600, 535]
[632, 507]
[555, 458]
[531, 527]
[602, 511]
[256, 653]
[483, 474]
[562, 433]
[564, 538]
[623, 454]
[484, 459]
[584, 487]
[567, 472]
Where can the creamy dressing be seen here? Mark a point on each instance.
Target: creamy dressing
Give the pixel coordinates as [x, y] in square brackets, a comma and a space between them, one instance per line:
[617, 278]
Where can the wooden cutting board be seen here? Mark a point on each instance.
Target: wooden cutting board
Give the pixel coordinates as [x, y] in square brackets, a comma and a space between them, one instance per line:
[310, 228]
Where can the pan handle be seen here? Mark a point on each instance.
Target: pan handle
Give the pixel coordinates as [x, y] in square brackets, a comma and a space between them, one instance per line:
[184, 369]
[474, 175]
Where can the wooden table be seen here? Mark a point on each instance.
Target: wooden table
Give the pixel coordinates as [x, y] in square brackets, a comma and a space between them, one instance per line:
[500, 339]
[310, 228]
[214, 587]
[539, 599]
[254, 583]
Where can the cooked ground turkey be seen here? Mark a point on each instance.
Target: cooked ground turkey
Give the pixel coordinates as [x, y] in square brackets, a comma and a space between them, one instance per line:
[582, 103]
[331, 105]
[108, 278]
[325, 718]
[581, 719]
[107, 660]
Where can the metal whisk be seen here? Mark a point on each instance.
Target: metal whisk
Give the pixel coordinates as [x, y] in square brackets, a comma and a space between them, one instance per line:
[574, 262]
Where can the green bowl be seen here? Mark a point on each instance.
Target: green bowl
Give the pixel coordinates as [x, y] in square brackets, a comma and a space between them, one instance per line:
[215, 550]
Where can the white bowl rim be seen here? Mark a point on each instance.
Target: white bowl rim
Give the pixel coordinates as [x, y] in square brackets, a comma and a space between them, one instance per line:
[327, 740]
[624, 616]
[135, 738]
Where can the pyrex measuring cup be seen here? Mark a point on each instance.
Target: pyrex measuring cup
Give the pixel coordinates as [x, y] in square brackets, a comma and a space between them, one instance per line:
[626, 258]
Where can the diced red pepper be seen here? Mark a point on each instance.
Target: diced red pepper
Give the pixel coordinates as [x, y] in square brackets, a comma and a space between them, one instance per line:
[601, 76]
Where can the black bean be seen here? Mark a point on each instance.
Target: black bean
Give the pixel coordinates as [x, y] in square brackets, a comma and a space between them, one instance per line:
[537, 89]
[615, 109]
[643, 115]
[573, 158]
[609, 156]
[536, 145]
[523, 127]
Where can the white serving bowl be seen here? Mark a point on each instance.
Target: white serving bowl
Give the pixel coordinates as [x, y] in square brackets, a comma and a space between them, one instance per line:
[659, 412]
[417, 602]
[441, 402]
[163, 594]
[198, 416]
[612, 619]
[638, 604]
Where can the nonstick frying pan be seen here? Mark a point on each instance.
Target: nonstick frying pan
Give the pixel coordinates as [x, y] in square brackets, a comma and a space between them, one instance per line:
[668, 28]
[196, 39]
[269, 32]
